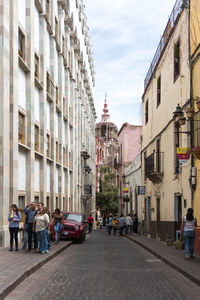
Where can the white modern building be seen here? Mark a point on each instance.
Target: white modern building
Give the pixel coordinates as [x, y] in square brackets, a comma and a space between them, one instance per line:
[47, 114]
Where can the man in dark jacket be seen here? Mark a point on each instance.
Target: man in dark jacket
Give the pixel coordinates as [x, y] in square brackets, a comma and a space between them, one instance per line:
[30, 212]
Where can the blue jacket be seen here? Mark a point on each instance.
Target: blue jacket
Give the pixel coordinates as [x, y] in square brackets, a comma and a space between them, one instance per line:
[18, 219]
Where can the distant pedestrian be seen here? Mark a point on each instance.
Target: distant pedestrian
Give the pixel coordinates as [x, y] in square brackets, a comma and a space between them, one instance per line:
[129, 224]
[90, 223]
[135, 224]
[115, 225]
[57, 222]
[14, 217]
[100, 223]
[122, 224]
[30, 211]
[188, 225]
[109, 225]
[41, 222]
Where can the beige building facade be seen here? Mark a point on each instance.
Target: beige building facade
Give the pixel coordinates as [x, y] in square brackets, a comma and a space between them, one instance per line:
[47, 114]
[167, 84]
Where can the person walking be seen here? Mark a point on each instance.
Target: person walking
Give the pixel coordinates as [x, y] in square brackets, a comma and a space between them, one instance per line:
[14, 217]
[122, 224]
[188, 225]
[90, 223]
[109, 225]
[41, 222]
[135, 224]
[30, 211]
[129, 224]
[57, 222]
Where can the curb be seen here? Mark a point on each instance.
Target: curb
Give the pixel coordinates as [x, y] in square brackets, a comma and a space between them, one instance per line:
[30, 271]
[166, 261]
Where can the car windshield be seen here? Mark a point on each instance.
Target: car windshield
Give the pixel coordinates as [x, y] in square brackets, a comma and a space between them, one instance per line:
[72, 217]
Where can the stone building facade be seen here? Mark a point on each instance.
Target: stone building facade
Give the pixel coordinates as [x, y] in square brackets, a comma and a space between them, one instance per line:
[166, 97]
[47, 114]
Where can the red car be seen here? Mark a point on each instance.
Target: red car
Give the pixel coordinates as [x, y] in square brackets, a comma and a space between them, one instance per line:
[74, 226]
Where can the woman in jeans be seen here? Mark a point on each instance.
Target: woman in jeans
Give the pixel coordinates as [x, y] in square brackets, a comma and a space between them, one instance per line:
[14, 218]
[188, 233]
[41, 222]
[57, 222]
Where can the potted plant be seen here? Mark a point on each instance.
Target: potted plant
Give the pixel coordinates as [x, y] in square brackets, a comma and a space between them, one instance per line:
[190, 112]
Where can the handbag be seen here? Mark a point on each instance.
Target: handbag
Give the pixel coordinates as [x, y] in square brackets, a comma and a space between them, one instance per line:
[179, 245]
[58, 227]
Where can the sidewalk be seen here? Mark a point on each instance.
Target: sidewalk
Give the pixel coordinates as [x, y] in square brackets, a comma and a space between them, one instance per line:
[16, 266]
[174, 258]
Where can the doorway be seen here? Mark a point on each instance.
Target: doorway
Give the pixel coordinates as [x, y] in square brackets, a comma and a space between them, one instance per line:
[158, 217]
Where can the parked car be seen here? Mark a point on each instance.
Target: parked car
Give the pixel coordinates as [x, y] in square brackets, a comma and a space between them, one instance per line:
[74, 226]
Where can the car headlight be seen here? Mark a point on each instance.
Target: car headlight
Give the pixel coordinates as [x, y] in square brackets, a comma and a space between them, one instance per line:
[77, 227]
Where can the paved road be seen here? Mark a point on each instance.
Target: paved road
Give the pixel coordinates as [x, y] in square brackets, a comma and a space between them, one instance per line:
[106, 268]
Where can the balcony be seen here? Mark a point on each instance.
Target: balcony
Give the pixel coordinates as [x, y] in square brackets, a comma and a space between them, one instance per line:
[87, 192]
[154, 170]
[117, 163]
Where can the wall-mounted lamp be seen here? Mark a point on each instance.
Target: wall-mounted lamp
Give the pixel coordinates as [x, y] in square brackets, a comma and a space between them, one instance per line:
[87, 169]
[123, 178]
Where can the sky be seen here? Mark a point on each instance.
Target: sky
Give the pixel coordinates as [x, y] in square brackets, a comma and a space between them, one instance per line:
[124, 37]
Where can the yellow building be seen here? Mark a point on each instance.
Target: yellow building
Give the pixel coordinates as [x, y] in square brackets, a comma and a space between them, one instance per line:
[167, 86]
[195, 94]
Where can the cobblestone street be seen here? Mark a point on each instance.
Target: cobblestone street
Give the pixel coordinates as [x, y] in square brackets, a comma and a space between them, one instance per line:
[105, 267]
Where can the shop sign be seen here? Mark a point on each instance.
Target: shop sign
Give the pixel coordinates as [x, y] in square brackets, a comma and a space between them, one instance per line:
[182, 155]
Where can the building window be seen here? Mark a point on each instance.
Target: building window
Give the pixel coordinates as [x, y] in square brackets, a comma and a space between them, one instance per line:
[48, 146]
[21, 205]
[64, 156]
[47, 10]
[36, 66]
[48, 203]
[37, 138]
[57, 96]
[176, 60]
[63, 46]
[64, 106]
[57, 152]
[56, 29]
[21, 128]
[158, 91]
[146, 112]
[36, 199]
[57, 202]
[21, 44]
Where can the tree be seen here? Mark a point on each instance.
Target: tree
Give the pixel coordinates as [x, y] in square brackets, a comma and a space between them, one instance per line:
[107, 198]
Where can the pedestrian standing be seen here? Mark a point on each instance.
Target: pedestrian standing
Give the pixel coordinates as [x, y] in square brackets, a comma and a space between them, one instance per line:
[90, 223]
[57, 222]
[115, 225]
[122, 224]
[100, 223]
[30, 211]
[14, 217]
[109, 225]
[41, 222]
[188, 225]
[129, 224]
[135, 224]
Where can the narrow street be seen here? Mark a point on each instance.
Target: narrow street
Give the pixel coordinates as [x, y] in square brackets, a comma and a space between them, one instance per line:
[105, 267]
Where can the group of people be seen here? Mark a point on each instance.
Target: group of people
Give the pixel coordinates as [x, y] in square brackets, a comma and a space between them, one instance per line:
[38, 232]
[128, 225]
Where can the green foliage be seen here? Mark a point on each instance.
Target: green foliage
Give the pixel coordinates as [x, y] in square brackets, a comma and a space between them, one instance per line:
[107, 199]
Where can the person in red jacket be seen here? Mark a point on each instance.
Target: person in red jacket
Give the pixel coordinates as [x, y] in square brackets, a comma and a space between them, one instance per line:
[90, 223]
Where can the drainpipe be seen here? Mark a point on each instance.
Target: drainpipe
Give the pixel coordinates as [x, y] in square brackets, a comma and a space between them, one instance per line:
[191, 99]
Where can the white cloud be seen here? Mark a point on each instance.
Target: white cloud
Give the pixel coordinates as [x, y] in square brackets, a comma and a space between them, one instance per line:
[125, 35]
